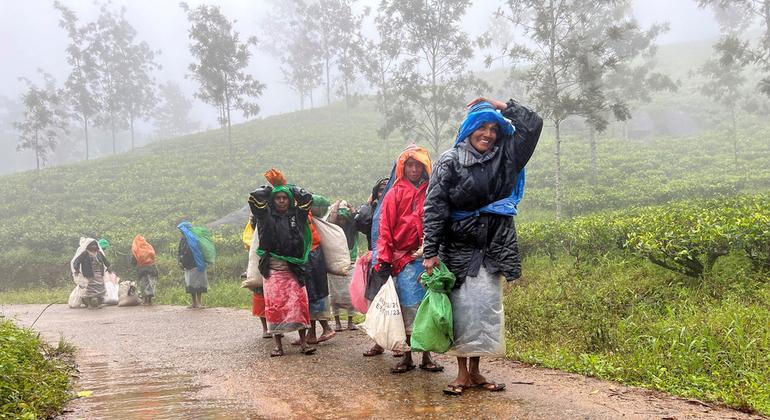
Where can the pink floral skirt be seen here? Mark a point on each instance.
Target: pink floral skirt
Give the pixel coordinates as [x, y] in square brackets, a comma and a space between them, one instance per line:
[286, 304]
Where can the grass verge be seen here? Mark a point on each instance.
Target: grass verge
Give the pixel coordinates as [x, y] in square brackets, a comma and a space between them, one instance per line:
[632, 322]
[34, 376]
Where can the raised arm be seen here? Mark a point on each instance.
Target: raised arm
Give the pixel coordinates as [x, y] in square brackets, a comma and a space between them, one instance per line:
[528, 126]
[258, 201]
[304, 200]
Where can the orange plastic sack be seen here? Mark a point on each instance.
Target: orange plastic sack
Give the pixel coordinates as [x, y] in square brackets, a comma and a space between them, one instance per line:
[143, 252]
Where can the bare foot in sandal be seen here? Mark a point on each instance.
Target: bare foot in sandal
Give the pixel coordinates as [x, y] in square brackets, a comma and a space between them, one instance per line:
[324, 337]
[454, 390]
[478, 381]
[376, 350]
[277, 352]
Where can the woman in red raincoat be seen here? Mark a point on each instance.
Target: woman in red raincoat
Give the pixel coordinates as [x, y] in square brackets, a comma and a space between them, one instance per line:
[399, 244]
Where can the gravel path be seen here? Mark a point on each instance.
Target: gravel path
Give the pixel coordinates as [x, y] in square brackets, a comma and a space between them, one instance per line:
[172, 362]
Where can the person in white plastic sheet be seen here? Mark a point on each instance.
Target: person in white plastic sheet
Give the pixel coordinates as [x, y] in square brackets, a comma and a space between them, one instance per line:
[342, 215]
[90, 261]
[468, 225]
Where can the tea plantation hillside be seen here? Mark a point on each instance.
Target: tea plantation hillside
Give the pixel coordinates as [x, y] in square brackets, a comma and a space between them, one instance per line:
[331, 151]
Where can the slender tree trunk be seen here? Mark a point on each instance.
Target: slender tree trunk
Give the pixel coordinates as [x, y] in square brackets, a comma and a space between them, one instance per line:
[37, 154]
[434, 104]
[625, 130]
[735, 137]
[328, 82]
[347, 95]
[227, 118]
[131, 118]
[592, 140]
[114, 145]
[312, 105]
[558, 169]
[85, 129]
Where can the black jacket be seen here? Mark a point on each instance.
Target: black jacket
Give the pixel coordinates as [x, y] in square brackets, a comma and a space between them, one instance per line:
[83, 265]
[462, 182]
[364, 218]
[282, 234]
[184, 255]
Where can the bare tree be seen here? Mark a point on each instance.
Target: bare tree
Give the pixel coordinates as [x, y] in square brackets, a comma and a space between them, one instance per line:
[172, 117]
[80, 84]
[431, 82]
[221, 60]
[288, 30]
[751, 12]
[45, 118]
[574, 47]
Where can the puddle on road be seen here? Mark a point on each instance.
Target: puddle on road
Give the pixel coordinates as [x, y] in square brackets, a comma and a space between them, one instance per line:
[127, 392]
[418, 398]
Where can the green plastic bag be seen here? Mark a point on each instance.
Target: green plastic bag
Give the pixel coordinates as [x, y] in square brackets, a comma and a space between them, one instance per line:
[104, 244]
[433, 328]
[320, 206]
[205, 243]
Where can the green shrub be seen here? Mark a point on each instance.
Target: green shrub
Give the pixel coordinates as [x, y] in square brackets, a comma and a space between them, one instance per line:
[33, 382]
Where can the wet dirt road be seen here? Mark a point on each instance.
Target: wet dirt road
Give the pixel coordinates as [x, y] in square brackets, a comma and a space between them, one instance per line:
[172, 362]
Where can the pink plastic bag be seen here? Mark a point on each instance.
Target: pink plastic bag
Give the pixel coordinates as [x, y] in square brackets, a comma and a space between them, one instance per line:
[358, 285]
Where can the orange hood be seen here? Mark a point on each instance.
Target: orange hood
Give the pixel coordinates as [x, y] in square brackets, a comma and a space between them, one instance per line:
[417, 153]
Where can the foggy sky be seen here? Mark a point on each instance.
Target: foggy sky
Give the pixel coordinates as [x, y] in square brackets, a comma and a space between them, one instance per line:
[30, 38]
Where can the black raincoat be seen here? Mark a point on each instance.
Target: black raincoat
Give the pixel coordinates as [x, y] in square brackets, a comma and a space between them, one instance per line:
[282, 234]
[466, 181]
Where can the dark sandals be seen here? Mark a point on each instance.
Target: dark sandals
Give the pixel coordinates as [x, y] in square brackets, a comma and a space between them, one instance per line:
[401, 368]
[490, 386]
[373, 352]
[457, 390]
[454, 390]
[276, 353]
[431, 367]
[307, 351]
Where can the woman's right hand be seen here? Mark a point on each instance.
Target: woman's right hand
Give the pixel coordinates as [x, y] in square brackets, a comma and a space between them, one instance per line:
[430, 264]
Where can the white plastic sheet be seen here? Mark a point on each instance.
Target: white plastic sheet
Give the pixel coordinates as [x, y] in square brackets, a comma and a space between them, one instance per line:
[478, 317]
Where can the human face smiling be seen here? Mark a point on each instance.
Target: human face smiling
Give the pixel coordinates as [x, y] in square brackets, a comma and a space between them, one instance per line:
[485, 137]
[413, 170]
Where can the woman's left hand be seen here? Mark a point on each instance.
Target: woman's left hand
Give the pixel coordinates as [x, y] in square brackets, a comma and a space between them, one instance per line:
[430, 264]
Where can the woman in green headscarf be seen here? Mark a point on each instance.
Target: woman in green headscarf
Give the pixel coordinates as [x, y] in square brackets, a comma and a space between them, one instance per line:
[281, 212]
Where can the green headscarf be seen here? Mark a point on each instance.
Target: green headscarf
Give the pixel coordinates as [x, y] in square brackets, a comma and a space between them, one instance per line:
[307, 240]
[320, 205]
[104, 244]
[344, 213]
[284, 189]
